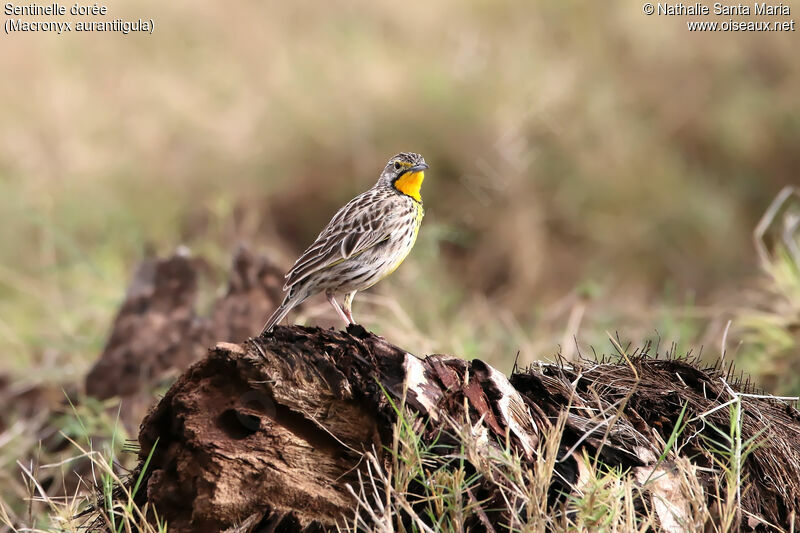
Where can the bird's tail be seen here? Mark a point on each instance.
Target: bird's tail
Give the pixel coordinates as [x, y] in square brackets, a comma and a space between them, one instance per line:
[292, 300]
[278, 315]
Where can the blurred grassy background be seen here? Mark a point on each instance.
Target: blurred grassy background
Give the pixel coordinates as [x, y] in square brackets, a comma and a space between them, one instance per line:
[592, 169]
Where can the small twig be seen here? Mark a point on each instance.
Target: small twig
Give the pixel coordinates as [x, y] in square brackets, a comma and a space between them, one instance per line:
[767, 220]
[480, 512]
[724, 343]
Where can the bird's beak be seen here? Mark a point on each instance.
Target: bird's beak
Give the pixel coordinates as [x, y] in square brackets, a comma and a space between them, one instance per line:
[417, 168]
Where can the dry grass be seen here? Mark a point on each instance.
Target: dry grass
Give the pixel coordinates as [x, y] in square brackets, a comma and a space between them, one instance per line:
[101, 500]
[568, 152]
[420, 488]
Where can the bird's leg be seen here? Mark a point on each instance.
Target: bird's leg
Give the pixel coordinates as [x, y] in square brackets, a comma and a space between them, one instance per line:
[336, 306]
[348, 305]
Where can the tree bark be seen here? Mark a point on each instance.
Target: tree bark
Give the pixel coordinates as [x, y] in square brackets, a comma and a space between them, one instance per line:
[267, 435]
[276, 433]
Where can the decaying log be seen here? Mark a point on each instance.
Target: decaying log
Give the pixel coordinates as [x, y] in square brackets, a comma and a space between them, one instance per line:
[267, 435]
[158, 331]
[271, 433]
[153, 331]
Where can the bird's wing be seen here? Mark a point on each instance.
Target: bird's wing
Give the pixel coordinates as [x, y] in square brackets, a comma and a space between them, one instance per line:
[361, 224]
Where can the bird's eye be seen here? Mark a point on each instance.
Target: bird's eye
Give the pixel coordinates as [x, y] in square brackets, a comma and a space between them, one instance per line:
[397, 165]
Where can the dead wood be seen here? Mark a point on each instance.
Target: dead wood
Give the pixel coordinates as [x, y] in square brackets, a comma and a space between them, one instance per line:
[158, 331]
[270, 434]
[266, 435]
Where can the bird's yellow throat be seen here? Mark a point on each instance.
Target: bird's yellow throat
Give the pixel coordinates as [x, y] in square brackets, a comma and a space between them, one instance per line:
[410, 184]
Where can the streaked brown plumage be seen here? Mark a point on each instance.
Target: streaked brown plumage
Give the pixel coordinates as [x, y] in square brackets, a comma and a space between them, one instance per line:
[364, 242]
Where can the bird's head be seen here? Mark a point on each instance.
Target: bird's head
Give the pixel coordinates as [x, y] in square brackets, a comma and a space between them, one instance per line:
[405, 172]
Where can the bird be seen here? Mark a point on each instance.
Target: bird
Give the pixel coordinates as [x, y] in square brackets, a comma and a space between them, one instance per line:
[365, 241]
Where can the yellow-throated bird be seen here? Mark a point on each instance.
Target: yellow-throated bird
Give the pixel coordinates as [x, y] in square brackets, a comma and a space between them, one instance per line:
[364, 242]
